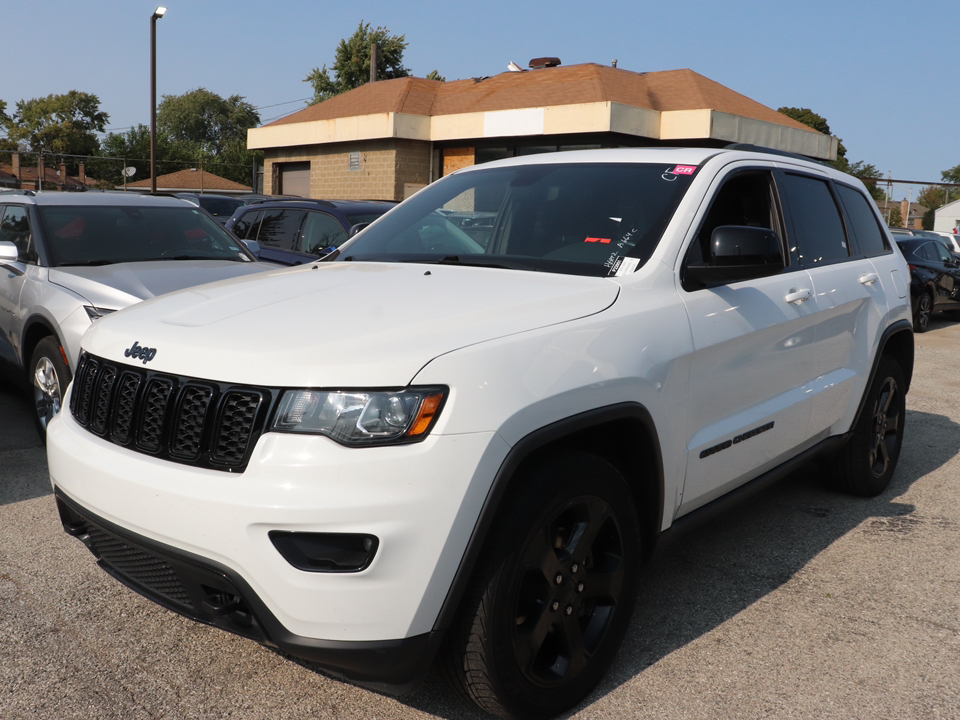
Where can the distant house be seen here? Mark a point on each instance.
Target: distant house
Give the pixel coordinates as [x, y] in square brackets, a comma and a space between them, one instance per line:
[16, 175]
[387, 139]
[191, 180]
[947, 217]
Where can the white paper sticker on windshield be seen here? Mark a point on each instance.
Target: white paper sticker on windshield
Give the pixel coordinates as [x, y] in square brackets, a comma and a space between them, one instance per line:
[624, 265]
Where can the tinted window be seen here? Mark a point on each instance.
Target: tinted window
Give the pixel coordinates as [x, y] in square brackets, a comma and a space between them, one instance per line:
[15, 228]
[942, 253]
[279, 228]
[818, 230]
[101, 235]
[863, 221]
[219, 207]
[246, 222]
[745, 198]
[319, 231]
[928, 251]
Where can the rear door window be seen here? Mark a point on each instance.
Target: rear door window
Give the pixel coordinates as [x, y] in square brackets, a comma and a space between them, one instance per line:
[280, 228]
[819, 237]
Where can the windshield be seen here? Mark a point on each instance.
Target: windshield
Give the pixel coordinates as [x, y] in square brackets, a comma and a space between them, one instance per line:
[99, 235]
[219, 206]
[577, 218]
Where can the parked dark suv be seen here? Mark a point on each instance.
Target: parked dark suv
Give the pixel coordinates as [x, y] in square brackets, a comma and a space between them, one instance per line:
[293, 232]
[934, 279]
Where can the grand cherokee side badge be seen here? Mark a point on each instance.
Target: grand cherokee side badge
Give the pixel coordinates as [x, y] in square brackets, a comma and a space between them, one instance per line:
[138, 352]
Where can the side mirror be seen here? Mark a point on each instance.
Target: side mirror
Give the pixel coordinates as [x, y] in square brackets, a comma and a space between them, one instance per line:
[357, 228]
[8, 252]
[737, 253]
[253, 246]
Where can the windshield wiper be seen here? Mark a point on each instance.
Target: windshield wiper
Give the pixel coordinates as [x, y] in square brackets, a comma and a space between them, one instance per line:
[88, 263]
[482, 261]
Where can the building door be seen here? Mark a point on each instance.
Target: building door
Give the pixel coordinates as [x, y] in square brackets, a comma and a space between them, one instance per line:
[295, 179]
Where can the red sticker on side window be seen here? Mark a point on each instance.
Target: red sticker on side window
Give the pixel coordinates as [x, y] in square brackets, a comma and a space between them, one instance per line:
[603, 241]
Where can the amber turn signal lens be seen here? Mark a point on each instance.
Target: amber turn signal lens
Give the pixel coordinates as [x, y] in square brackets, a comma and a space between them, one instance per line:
[428, 410]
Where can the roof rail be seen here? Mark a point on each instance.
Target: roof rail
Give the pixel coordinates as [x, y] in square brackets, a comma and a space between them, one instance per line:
[19, 191]
[772, 151]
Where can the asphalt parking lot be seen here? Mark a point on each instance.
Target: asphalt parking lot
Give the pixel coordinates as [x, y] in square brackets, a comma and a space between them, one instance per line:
[798, 604]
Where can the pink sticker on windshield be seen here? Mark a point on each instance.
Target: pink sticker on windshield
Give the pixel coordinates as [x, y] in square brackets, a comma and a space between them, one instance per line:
[604, 241]
[684, 169]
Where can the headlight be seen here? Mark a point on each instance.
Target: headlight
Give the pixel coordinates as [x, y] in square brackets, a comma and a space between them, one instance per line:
[354, 417]
[95, 313]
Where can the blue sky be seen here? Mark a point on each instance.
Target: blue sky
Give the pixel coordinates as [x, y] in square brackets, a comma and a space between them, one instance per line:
[881, 73]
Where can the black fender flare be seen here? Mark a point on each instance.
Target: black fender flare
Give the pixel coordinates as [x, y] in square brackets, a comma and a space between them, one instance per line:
[527, 446]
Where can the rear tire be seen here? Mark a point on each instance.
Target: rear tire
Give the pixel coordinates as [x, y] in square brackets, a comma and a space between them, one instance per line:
[921, 319]
[552, 594]
[49, 377]
[867, 462]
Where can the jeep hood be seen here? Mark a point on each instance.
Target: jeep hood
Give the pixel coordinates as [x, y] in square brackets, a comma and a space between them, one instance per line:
[341, 324]
[119, 285]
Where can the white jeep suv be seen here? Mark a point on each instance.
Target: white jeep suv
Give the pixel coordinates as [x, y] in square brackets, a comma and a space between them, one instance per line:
[462, 434]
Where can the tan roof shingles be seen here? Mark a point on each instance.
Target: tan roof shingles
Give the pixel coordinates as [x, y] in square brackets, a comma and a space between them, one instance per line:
[662, 91]
[192, 179]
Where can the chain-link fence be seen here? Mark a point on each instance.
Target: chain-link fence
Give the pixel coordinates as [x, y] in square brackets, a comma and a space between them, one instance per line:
[52, 171]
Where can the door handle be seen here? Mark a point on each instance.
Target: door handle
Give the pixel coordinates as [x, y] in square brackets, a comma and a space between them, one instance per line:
[798, 296]
[869, 278]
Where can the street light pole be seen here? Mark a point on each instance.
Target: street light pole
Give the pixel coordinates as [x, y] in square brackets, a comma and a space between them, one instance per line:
[153, 96]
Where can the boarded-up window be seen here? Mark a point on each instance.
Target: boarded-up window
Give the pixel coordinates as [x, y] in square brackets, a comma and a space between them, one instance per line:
[457, 158]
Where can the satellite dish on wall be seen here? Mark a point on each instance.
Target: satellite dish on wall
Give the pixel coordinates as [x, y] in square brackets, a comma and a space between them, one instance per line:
[129, 171]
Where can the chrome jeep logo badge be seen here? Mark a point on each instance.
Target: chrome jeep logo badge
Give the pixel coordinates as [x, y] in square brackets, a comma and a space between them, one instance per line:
[138, 352]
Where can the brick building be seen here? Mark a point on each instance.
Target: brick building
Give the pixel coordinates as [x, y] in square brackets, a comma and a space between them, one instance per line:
[387, 139]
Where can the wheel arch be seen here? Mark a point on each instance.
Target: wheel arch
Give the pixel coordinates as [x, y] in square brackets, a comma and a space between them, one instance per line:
[35, 330]
[623, 435]
[896, 342]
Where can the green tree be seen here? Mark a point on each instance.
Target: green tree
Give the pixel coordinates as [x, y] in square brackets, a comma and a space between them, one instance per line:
[351, 69]
[132, 149]
[868, 174]
[435, 75]
[204, 119]
[202, 127]
[952, 175]
[817, 122]
[895, 219]
[61, 124]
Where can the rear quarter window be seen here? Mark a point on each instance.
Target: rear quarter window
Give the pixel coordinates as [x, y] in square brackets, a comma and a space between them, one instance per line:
[866, 230]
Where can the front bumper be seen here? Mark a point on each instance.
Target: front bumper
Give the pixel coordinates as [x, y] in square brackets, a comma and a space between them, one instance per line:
[210, 529]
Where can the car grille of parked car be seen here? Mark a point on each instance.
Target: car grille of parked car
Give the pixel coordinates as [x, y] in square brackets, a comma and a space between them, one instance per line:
[185, 420]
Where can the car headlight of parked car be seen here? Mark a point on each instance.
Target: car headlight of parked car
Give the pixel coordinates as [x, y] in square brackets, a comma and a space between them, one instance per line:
[357, 417]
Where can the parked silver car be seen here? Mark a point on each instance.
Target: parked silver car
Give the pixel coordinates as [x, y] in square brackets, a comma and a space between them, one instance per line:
[67, 259]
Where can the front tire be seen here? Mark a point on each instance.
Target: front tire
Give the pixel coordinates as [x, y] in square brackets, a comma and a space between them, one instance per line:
[921, 319]
[553, 592]
[49, 377]
[867, 462]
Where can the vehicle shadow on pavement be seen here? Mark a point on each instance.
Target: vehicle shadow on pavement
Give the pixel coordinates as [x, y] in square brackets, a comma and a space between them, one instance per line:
[23, 466]
[709, 576]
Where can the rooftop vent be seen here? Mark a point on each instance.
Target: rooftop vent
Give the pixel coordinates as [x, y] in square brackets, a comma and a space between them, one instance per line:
[544, 62]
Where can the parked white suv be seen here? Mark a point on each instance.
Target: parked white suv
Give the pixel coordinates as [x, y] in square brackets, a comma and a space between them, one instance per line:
[471, 442]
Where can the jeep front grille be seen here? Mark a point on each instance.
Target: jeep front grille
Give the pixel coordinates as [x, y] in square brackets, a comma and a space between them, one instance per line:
[186, 420]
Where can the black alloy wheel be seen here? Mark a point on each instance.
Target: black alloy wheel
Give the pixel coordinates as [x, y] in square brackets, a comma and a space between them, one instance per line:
[552, 598]
[867, 462]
